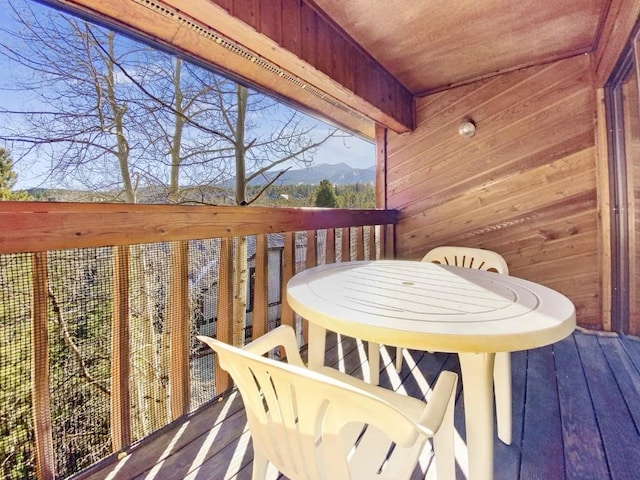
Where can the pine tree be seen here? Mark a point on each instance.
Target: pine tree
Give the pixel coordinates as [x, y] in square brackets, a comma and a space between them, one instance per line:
[8, 178]
[326, 196]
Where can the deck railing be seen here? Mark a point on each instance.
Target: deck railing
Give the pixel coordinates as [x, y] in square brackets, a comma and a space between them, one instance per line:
[109, 297]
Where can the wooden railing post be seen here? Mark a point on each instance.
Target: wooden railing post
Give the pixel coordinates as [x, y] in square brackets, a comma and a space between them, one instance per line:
[224, 307]
[40, 392]
[360, 243]
[388, 245]
[261, 288]
[288, 270]
[330, 254]
[346, 244]
[179, 369]
[372, 242]
[120, 352]
[312, 249]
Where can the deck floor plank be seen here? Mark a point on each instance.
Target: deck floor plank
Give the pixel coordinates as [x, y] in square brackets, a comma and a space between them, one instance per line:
[542, 449]
[625, 373]
[618, 432]
[631, 345]
[579, 427]
[509, 456]
[573, 417]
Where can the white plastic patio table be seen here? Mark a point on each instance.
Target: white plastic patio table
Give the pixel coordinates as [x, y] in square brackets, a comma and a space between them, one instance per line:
[432, 307]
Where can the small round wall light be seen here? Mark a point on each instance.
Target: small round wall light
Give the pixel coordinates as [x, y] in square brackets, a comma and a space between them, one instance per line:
[467, 128]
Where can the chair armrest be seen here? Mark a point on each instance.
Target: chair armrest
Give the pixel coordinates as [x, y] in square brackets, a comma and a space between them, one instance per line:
[442, 397]
[280, 336]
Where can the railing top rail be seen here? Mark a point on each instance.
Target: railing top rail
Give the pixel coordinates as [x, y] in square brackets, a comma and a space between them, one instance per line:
[43, 226]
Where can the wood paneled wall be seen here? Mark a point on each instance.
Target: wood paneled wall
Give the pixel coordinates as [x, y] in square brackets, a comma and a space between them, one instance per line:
[524, 185]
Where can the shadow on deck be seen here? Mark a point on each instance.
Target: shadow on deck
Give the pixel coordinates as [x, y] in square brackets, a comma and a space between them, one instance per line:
[576, 415]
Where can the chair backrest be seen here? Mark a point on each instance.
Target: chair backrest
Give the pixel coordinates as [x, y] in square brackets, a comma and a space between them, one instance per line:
[296, 416]
[468, 257]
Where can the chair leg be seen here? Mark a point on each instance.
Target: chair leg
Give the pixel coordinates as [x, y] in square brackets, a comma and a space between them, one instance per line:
[443, 443]
[398, 359]
[502, 387]
[260, 466]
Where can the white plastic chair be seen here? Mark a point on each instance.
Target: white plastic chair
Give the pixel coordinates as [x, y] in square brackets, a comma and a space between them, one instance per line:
[491, 261]
[325, 424]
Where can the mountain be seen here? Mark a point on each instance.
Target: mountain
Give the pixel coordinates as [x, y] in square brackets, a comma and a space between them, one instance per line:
[339, 173]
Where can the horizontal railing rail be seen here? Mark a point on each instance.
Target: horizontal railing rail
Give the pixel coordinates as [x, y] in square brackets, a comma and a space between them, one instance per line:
[39, 226]
[146, 257]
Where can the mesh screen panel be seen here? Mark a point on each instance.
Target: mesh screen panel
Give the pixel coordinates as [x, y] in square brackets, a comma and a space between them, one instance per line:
[79, 315]
[16, 434]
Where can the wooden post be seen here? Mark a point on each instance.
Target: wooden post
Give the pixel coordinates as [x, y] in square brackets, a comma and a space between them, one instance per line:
[288, 269]
[360, 243]
[120, 352]
[330, 255]
[224, 311]
[40, 393]
[261, 288]
[346, 244]
[312, 246]
[179, 324]
[372, 242]
[389, 239]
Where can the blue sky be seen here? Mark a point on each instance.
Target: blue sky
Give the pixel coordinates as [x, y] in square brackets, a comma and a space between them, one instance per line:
[32, 170]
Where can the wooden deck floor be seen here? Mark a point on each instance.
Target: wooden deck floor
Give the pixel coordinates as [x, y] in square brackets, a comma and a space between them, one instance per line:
[576, 416]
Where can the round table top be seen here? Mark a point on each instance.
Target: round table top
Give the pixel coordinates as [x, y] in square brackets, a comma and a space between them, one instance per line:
[428, 306]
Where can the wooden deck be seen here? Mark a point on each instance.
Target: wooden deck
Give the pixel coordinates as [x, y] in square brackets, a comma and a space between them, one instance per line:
[576, 416]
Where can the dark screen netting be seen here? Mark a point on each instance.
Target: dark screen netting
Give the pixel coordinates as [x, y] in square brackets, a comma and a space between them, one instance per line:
[80, 309]
[16, 434]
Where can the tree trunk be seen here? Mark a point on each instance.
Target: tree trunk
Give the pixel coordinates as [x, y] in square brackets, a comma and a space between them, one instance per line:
[174, 181]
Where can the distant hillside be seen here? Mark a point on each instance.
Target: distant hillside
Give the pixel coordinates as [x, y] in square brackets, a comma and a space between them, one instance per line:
[339, 173]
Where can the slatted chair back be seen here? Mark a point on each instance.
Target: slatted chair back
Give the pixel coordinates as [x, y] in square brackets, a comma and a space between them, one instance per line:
[313, 426]
[468, 257]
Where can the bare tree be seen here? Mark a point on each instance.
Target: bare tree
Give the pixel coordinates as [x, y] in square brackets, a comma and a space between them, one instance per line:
[133, 124]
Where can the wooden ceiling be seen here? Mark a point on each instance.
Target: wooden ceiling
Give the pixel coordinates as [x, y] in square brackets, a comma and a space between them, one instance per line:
[429, 45]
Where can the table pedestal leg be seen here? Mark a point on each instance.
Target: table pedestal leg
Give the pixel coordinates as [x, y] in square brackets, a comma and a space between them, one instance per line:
[477, 385]
[374, 363]
[317, 343]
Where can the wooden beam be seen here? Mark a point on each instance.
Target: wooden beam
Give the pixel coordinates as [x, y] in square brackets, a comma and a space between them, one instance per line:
[186, 27]
[615, 33]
